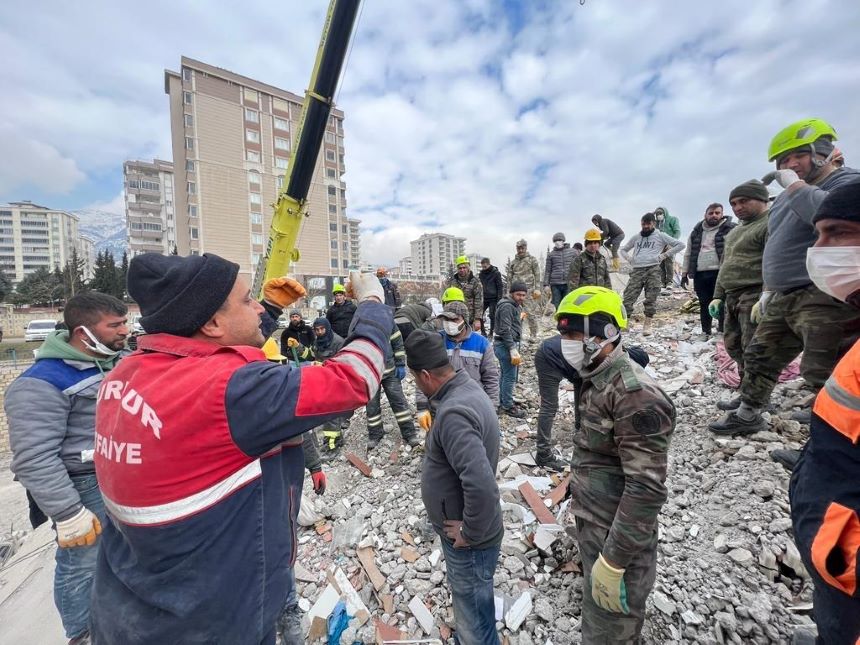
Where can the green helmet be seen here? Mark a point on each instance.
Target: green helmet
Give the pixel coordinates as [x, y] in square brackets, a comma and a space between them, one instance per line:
[451, 294]
[798, 135]
[462, 260]
[593, 305]
[338, 288]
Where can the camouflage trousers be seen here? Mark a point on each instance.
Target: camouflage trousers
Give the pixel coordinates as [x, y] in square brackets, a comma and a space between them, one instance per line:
[602, 627]
[806, 320]
[534, 309]
[738, 327]
[649, 279]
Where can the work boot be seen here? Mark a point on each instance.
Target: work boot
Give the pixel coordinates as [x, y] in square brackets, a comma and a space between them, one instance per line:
[514, 411]
[732, 424]
[786, 458]
[802, 416]
[413, 440]
[550, 462]
[646, 327]
[731, 404]
[373, 440]
[289, 626]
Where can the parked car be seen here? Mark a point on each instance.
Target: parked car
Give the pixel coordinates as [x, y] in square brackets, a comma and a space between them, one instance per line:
[136, 328]
[283, 321]
[39, 329]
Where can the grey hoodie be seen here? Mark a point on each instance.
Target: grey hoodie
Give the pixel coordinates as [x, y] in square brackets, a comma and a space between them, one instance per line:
[647, 249]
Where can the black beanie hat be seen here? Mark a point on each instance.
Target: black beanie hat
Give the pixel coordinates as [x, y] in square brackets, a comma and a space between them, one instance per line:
[518, 286]
[425, 350]
[842, 203]
[752, 189]
[178, 295]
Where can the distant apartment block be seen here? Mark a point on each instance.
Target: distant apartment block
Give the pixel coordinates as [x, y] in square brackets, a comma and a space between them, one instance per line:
[406, 266]
[37, 237]
[232, 137]
[149, 206]
[433, 254]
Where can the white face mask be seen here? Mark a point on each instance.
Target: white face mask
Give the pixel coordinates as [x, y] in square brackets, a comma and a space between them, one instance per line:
[452, 328]
[835, 270]
[559, 244]
[573, 352]
[97, 346]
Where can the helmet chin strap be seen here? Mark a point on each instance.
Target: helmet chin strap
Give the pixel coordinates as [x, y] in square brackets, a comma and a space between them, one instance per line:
[592, 349]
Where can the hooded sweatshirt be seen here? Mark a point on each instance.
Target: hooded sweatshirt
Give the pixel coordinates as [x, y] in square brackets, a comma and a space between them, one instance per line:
[51, 409]
[328, 344]
[648, 248]
[669, 225]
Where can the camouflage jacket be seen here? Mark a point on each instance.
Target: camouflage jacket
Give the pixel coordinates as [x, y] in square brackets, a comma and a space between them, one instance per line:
[588, 270]
[525, 269]
[618, 471]
[473, 292]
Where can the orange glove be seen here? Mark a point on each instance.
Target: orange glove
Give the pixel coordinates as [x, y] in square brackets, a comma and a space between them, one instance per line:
[424, 419]
[516, 359]
[536, 294]
[524, 315]
[282, 292]
[81, 529]
[292, 342]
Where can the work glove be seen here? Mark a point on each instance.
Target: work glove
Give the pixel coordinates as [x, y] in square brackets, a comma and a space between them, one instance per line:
[685, 281]
[784, 178]
[81, 529]
[548, 291]
[607, 587]
[293, 343]
[424, 419]
[760, 307]
[524, 315]
[715, 307]
[477, 324]
[662, 256]
[616, 264]
[516, 359]
[282, 292]
[401, 372]
[318, 478]
[364, 286]
[536, 294]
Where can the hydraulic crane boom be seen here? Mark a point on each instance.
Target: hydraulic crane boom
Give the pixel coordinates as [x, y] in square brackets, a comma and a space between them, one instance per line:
[292, 200]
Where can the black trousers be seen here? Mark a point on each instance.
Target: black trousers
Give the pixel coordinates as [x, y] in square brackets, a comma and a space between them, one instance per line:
[704, 284]
[489, 303]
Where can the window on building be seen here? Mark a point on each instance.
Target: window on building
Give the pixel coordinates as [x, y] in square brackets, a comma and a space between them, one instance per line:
[281, 162]
[254, 198]
[251, 96]
[332, 191]
[280, 104]
[189, 166]
[345, 246]
[332, 227]
[346, 264]
[331, 173]
[256, 218]
[280, 181]
[334, 263]
[329, 155]
[252, 135]
[186, 98]
[254, 178]
[282, 144]
[189, 121]
[189, 143]
[332, 208]
[252, 116]
[282, 124]
[329, 137]
[344, 229]
[257, 238]
[334, 245]
[186, 74]
[252, 155]
[192, 232]
[340, 159]
[192, 210]
[192, 188]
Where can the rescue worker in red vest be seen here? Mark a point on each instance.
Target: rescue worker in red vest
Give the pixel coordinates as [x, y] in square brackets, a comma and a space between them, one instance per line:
[198, 453]
[825, 484]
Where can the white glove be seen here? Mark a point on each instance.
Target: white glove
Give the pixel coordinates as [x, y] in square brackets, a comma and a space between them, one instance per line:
[784, 177]
[79, 530]
[759, 308]
[662, 256]
[516, 359]
[364, 286]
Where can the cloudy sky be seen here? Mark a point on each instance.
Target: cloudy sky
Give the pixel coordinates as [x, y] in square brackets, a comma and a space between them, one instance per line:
[490, 119]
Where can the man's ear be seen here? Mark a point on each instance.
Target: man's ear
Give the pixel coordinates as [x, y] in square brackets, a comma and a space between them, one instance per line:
[213, 327]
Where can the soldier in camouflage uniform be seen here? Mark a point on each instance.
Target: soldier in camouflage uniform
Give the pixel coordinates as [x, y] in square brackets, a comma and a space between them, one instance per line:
[589, 267]
[470, 285]
[618, 470]
[525, 268]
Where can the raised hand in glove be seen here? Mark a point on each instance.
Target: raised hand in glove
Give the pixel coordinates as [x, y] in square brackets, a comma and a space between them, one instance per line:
[607, 587]
[364, 286]
[685, 281]
[81, 529]
[516, 359]
[318, 478]
[424, 419]
[715, 307]
[293, 343]
[282, 292]
[784, 177]
[760, 307]
[401, 372]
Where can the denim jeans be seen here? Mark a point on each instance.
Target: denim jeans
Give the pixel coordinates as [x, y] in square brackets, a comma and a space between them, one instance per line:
[508, 375]
[76, 566]
[470, 577]
[559, 291]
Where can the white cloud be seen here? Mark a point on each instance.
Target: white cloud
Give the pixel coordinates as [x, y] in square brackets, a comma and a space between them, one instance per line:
[26, 162]
[115, 205]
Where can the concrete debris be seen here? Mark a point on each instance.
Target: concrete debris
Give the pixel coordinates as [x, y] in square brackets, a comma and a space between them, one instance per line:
[519, 611]
[422, 614]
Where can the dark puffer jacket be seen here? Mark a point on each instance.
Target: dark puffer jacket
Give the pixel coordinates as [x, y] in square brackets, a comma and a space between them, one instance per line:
[558, 264]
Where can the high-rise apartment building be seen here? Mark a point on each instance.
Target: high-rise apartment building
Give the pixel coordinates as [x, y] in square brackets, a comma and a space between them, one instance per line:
[37, 237]
[232, 138]
[149, 206]
[433, 254]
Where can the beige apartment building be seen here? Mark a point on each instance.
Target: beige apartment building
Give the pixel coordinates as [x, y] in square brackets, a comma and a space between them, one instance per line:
[149, 206]
[433, 254]
[37, 237]
[232, 137]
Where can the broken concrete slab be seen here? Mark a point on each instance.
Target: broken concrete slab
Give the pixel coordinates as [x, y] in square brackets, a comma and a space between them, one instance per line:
[354, 604]
[410, 555]
[557, 494]
[523, 459]
[302, 574]
[422, 614]
[519, 611]
[387, 633]
[367, 557]
[536, 504]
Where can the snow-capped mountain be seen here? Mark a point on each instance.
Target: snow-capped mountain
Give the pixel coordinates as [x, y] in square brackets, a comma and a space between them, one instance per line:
[106, 228]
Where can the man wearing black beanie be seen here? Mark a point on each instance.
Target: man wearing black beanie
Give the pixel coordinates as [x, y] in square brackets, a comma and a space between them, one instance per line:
[458, 483]
[198, 453]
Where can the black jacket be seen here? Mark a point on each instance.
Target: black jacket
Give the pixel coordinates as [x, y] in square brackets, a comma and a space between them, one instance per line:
[491, 281]
[303, 333]
[340, 316]
[392, 293]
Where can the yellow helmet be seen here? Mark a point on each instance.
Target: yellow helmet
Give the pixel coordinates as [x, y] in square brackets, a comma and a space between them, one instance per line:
[453, 293]
[462, 260]
[338, 288]
[272, 351]
[801, 134]
[592, 310]
[593, 235]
